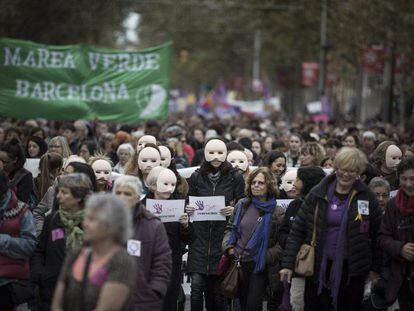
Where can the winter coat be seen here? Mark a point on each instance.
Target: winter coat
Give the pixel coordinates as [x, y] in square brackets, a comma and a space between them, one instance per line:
[49, 257]
[288, 220]
[391, 240]
[154, 262]
[363, 253]
[17, 240]
[44, 207]
[274, 251]
[205, 252]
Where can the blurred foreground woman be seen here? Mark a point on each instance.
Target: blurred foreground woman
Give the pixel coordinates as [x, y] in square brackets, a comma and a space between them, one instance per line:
[101, 275]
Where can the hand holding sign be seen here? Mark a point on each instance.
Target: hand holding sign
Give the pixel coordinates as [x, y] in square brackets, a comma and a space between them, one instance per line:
[227, 211]
[209, 208]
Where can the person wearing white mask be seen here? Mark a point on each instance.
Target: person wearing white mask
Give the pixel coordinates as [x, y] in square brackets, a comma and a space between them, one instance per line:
[215, 177]
[146, 139]
[386, 158]
[162, 183]
[103, 170]
[287, 185]
[142, 162]
[238, 159]
[168, 161]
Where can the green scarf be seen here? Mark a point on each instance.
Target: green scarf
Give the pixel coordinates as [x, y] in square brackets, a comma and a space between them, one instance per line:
[72, 222]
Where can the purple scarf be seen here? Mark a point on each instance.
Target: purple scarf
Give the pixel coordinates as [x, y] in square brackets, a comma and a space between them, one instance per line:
[336, 270]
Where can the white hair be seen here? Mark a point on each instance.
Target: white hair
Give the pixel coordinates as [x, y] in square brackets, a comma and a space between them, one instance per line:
[113, 214]
[126, 146]
[128, 181]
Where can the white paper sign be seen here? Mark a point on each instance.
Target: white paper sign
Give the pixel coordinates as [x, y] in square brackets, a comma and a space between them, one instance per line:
[134, 248]
[393, 194]
[207, 208]
[284, 203]
[166, 210]
[32, 165]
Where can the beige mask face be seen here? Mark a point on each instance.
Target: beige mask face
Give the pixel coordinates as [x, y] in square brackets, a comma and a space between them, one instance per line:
[146, 139]
[215, 150]
[102, 170]
[393, 157]
[165, 156]
[166, 181]
[238, 159]
[288, 180]
[147, 159]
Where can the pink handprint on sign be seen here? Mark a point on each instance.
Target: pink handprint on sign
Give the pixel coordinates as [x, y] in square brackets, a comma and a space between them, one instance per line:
[157, 208]
[200, 205]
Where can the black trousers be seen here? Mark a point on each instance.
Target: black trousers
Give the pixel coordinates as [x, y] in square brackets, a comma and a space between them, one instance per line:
[170, 302]
[206, 287]
[349, 297]
[252, 288]
[406, 297]
[6, 298]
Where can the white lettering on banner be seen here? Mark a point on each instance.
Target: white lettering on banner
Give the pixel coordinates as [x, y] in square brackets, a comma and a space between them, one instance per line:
[108, 92]
[124, 62]
[38, 58]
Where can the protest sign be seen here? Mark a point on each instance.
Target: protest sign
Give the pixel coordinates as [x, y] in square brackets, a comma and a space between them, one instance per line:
[83, 82]
[284, 203]
[207, 208]
[166, 210]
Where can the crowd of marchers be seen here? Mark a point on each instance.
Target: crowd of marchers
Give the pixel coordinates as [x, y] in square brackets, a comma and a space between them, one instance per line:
[315, 216]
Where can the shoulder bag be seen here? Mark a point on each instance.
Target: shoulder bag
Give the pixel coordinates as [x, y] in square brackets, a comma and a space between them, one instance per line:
[305, 259]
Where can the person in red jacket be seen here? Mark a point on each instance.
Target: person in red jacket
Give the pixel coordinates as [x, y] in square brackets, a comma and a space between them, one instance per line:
[397, 238]
[17, 244]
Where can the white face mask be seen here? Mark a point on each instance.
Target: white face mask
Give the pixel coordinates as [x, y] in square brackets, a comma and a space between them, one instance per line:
[147, 159]
[215, 150]
[146, 139]
[165, 156]
[238, 159]
[166, 182]
[288, 180]
[102, 170]
[393, 157]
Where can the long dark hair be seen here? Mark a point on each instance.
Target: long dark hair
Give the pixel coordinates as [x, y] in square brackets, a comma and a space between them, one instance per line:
[14, 150]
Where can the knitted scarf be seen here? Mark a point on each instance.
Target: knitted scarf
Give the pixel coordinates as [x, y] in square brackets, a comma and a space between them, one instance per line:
[259, 241]
[72, 223]
[335, 277]
[404, 202]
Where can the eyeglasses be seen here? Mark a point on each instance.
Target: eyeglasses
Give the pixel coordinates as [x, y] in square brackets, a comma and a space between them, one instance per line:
[349, 172]
[55, 146]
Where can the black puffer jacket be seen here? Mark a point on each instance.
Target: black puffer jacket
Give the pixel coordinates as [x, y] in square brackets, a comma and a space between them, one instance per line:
[205, 252]
[363, 253]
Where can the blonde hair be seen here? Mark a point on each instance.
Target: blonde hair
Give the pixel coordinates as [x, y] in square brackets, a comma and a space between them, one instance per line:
[350, 159]
[315, 150]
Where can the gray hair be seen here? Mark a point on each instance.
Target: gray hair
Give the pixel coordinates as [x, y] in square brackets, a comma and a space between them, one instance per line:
[379, 182]
[113, 214]
[126, 146]
[63, 142]
[128, 181]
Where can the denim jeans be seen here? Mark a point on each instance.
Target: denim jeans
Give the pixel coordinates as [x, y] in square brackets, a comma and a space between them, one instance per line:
[206, 288]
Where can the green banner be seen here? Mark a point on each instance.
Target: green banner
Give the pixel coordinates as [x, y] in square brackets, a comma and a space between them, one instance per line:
[83, 82]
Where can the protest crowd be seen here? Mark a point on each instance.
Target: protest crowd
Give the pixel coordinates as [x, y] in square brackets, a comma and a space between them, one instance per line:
[271, 214]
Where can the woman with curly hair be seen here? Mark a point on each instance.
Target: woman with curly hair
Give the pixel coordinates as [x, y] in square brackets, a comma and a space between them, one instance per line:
[311, 153]
[251, 237]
